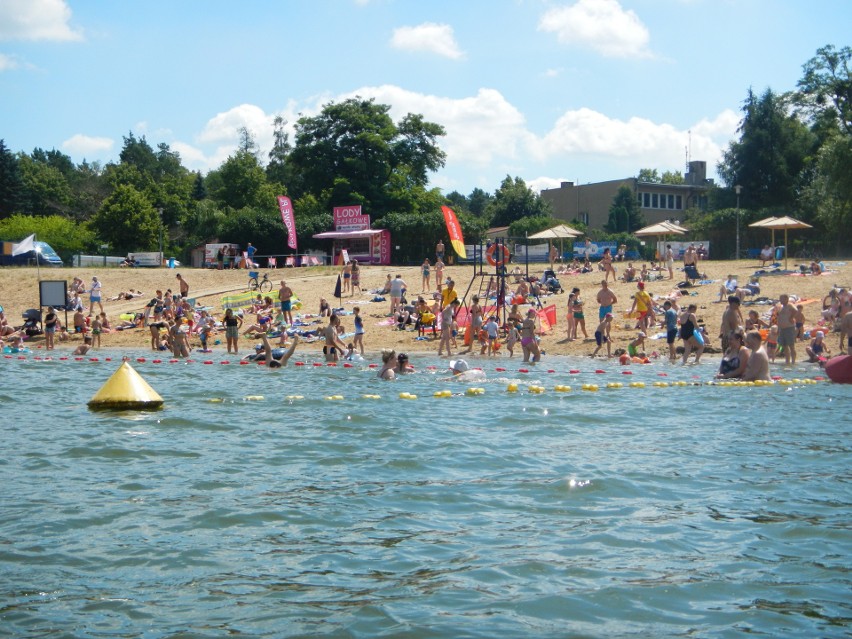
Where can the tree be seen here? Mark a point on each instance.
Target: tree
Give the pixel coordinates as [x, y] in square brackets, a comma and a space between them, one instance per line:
[826, 86]
[672, 177]
[128, 221]
[199, 191]
[354, 152]
[65, 236]
[830, 193]
[278, 169]
[649, 175]
[11, 183]
[770, 155]
[515, 200]
[478, 201]
[46, 190]
[624, 214]
[531, 225]
[241, 183]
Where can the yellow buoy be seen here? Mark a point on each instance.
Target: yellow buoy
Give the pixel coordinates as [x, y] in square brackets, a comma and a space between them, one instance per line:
[512, 388]
[126, 389]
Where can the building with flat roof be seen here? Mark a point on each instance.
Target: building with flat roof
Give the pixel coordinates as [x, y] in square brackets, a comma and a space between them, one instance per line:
[590, 203]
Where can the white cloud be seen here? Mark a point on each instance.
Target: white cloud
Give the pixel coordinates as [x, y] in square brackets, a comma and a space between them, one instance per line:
[8, 62]
[82, 145]
[224, 127]
[488, 137]
[541, 183]
[429, 37]
[602, 25]
[36, 20]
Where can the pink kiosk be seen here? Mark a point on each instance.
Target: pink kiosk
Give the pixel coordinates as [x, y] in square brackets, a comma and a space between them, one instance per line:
[352, 232]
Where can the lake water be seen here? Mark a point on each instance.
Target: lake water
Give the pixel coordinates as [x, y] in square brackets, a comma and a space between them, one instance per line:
[699, 511]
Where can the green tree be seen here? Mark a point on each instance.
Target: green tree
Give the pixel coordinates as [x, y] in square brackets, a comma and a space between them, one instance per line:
[46, 188]
[624, 213]
[826, 86]
[65, 236]
[830, 192]
[768, 159]
[515, 200]
[649, 175]
[12, 191]
[241, 183]
[278, 168]
[199, 191]
[354, 152]
[261, 227]
[527, 226]
[478, 201]
[672, 177]
[128, 221]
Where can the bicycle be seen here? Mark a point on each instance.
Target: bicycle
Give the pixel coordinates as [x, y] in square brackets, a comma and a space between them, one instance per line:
[808, 253]
[263, 284]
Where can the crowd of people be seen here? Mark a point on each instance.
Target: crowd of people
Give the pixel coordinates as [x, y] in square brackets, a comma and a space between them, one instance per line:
[747, 344]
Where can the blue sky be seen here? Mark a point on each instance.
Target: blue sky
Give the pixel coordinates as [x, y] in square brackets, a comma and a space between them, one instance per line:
[547, 90]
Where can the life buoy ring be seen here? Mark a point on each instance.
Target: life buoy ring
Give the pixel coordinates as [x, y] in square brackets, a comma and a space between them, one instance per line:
[504, 255]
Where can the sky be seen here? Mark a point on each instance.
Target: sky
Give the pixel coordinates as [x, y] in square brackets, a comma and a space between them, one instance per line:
[544, 90]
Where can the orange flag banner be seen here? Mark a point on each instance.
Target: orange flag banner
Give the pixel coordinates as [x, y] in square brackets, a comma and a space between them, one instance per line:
[454, 229]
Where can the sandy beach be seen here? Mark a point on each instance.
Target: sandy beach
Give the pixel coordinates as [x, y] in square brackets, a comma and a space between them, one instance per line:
[19, 290]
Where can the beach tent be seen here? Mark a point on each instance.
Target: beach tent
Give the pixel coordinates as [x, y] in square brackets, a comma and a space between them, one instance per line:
[786, 222]
[559, 232]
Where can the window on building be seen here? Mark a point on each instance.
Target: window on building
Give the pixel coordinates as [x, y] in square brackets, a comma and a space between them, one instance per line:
[679, 202]
[646, 197]
[671, 201]
[655, 201]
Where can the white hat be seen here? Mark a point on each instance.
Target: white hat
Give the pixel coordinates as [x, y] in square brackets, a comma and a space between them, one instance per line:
[819, 334]
[459, 366]
[641, 334]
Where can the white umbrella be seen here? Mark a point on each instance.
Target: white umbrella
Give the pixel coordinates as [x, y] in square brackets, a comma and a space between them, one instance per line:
[559, 232]
[786, 222]
[763, 224]
[661, 228]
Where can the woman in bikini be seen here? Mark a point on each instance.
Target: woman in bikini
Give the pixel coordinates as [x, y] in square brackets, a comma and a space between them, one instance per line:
[528, 341]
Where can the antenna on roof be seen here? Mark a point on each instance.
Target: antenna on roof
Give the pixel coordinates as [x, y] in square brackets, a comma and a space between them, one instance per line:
[688, 147]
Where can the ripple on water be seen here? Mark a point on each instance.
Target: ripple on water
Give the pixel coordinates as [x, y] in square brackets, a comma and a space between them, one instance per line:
[625, 512]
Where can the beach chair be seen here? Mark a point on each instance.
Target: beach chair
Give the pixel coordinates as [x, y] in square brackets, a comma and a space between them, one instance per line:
[424, 321]
[313, 261]
[272, 262]
[692, 274]
[290, 261]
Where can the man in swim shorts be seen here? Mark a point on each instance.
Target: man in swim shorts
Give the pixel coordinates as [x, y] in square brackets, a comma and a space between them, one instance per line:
[606, 299]
[670, 319]
[95, 296]
[787, 329]
[284, 295]
[602, 335]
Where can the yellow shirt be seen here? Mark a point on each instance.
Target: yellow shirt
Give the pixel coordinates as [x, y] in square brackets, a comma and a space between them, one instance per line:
[448, 295]
[643, 301]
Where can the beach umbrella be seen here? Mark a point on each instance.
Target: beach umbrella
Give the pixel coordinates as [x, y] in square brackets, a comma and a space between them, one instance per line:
[559, 232]
[762, 224]
[337, 292]
[786, 222]
[660, 229]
